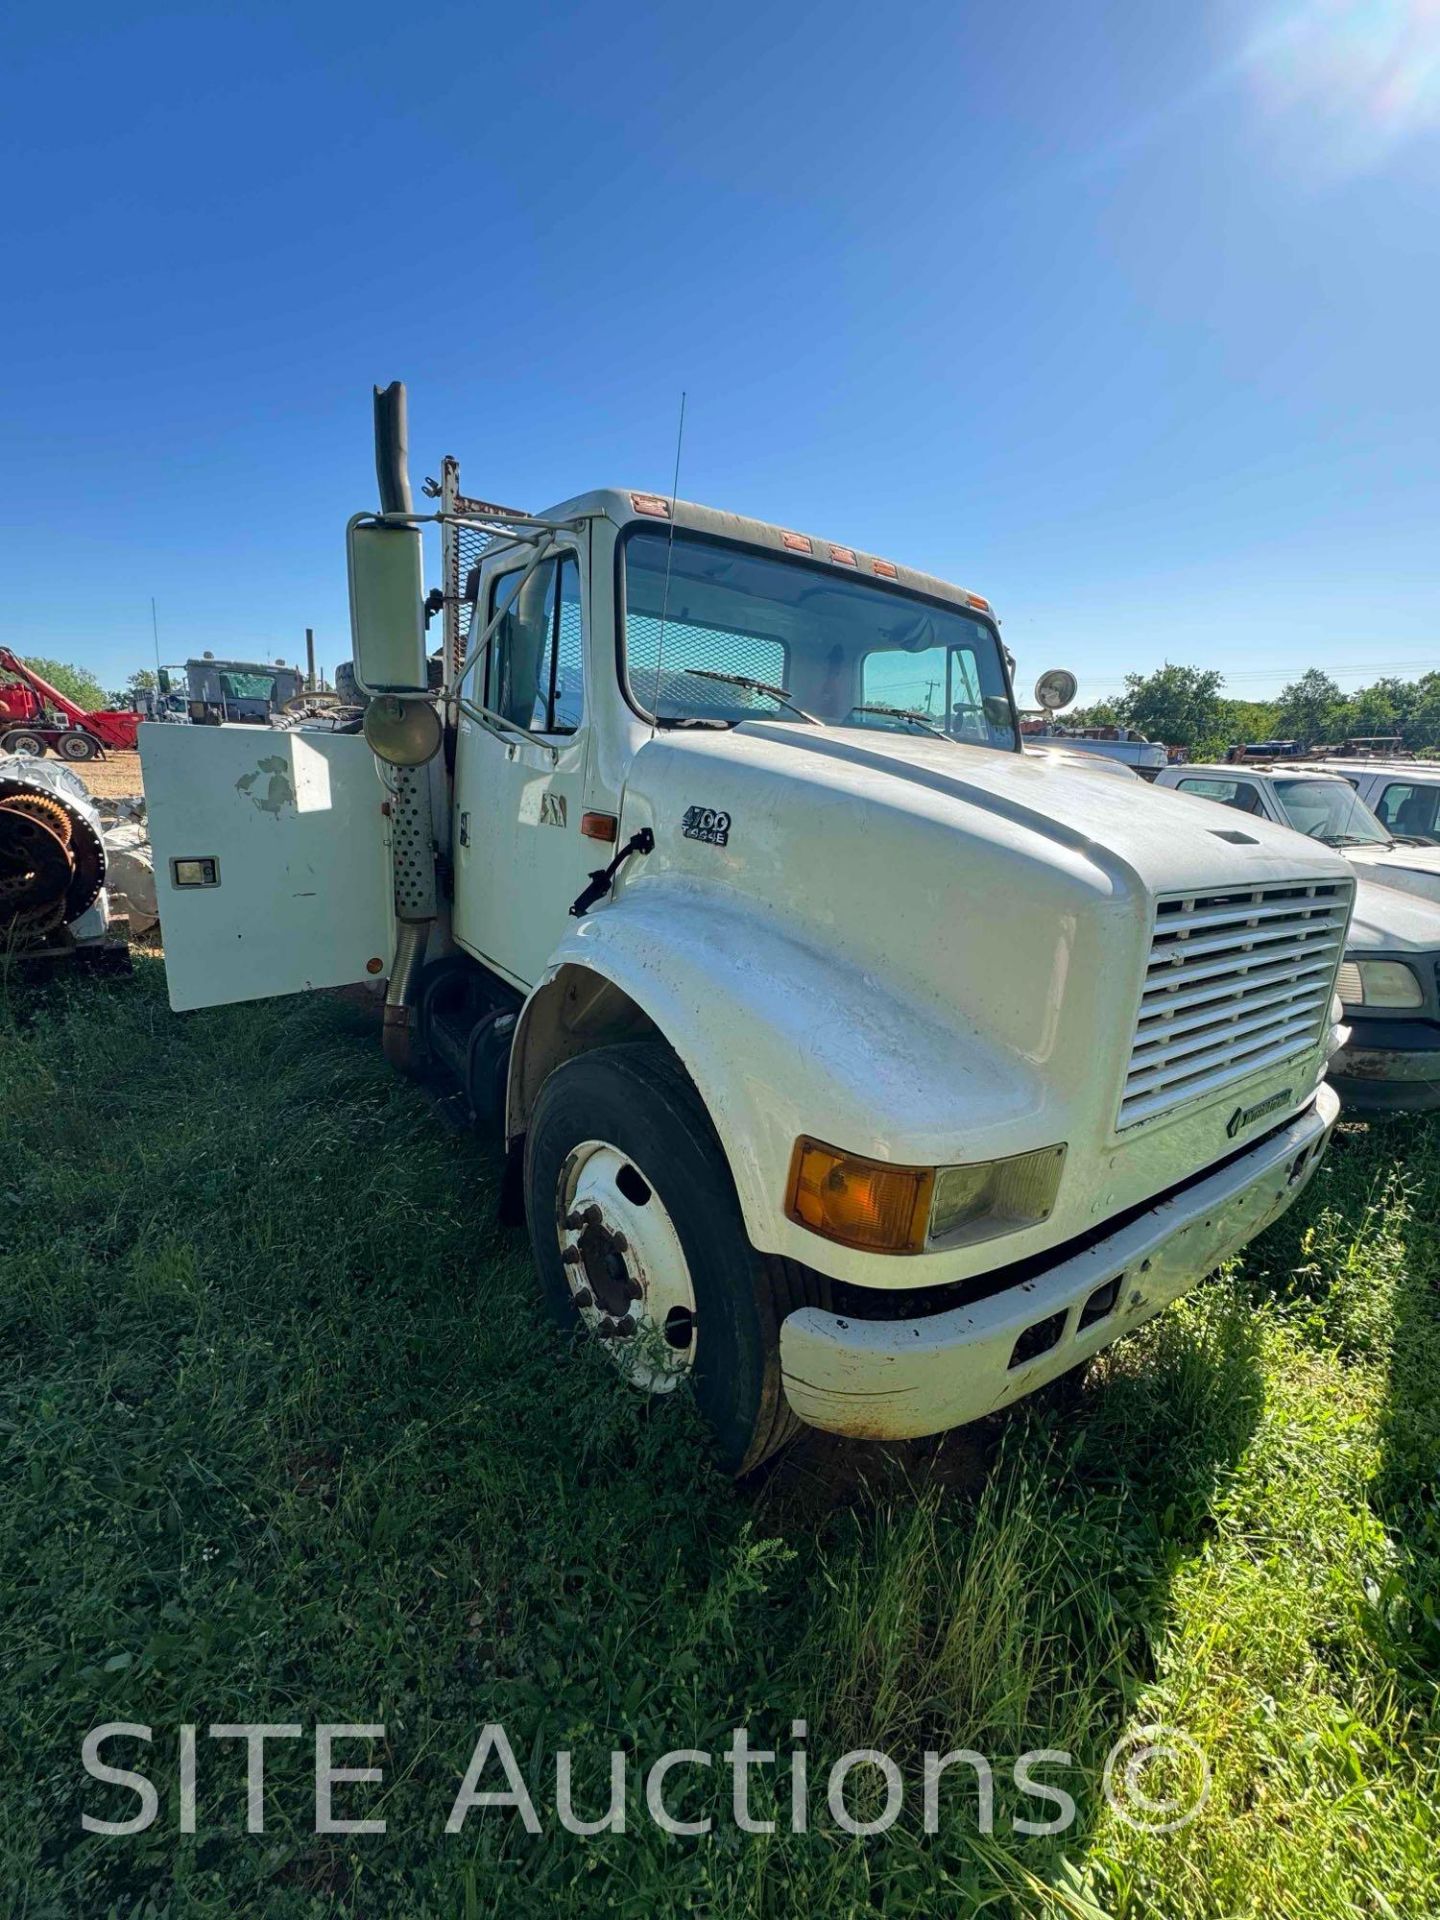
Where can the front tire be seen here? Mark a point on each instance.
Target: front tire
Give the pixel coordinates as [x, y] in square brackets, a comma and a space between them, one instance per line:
[639, 1240]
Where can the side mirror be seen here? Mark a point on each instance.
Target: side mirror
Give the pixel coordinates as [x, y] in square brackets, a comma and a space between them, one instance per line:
[1056, 689]
[387, 613]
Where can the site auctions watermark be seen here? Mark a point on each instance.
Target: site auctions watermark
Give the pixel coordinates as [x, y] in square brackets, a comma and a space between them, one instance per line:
[1155, 1779]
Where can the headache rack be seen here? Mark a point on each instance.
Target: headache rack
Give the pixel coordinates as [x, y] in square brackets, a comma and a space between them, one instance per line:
[1236, 981]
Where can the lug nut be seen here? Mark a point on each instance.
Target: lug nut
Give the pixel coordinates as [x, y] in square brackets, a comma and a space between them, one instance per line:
[574, 1221]
[583, 1297]
[624, 1328]
[572, 1256]
[606, 1329]
[592, 1217]
[619, 1243]
[637, 1292]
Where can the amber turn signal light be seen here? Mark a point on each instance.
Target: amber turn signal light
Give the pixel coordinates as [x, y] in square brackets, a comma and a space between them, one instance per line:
[859, 1202]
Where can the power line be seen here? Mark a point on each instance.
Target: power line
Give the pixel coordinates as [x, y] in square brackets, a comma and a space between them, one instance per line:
[1370, 666]
[1284, 676]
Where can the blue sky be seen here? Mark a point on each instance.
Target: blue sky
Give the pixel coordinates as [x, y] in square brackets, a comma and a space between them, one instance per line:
[1123, 315]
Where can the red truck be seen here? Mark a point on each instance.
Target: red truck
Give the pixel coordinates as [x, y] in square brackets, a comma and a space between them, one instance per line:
[34, 717]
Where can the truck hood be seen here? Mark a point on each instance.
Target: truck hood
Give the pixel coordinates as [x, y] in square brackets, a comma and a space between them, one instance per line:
[1170, 842]
[1413, 870]
[1012, 891]
[995, 910]
[1388, 919]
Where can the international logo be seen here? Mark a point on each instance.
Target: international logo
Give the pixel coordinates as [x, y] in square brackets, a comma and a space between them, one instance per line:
[1246, 1116]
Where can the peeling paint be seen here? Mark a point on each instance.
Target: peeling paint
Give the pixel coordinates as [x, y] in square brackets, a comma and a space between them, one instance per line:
[279, 790]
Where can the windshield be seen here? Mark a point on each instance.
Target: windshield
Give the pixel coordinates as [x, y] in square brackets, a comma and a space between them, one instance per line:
[246, 686]
[1332, 811]
[839, 649]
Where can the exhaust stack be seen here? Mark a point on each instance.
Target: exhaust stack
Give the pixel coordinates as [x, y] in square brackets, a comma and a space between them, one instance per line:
[392, 448]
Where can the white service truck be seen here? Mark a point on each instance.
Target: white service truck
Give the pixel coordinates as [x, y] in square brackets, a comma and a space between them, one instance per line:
[852, 1064]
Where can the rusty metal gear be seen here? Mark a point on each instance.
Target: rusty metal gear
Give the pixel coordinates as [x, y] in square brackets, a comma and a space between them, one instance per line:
[41, 807]
[36, 873]
[31, 800]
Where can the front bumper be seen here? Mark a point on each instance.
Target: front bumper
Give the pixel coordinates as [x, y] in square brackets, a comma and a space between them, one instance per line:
[894, 1379]
[1387, 1080]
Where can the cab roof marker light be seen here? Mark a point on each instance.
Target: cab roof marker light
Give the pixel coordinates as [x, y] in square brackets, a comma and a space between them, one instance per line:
[797, 542]
[976, 601]
[886, 569]
[843, 556]
[652, 503]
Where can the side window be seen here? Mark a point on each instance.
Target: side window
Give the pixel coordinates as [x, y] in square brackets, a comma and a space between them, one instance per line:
[1391, 801]
[1239, 794]
[1409, 809]
[533, 675]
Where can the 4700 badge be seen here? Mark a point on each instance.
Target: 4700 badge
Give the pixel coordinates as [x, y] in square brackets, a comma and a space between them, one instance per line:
[704, 823]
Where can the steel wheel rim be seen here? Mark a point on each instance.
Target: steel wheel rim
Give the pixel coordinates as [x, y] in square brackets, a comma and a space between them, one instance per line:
[625, 1268]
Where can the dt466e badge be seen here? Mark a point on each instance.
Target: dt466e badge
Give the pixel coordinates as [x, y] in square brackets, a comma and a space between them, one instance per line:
[704, 823]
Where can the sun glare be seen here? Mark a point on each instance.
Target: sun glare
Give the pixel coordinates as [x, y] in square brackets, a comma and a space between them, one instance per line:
[1356, 78]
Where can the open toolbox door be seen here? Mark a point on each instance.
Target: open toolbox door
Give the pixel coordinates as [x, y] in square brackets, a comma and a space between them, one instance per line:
[272, 863]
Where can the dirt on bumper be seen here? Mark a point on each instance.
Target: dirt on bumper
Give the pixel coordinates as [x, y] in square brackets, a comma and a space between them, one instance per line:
[895, 1379]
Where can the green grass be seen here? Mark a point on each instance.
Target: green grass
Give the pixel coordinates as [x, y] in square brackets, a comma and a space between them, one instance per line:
[286, 1439]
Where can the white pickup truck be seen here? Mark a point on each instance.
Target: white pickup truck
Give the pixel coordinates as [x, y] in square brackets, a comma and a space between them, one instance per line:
[1404, 795]
[852, 1065]
[1389, 985]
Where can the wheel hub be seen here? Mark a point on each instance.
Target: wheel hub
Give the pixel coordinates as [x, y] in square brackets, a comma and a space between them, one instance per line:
[625, 1266]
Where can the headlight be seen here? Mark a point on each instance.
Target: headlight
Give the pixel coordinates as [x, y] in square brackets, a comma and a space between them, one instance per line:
[1378, 983]
[883, 1208]
[991, 1197]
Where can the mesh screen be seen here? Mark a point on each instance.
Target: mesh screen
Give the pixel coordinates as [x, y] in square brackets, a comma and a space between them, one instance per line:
[471, 546]
[684, 646]
[569, 688]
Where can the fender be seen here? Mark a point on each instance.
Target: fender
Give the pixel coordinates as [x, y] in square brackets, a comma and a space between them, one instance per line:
[782, 1039]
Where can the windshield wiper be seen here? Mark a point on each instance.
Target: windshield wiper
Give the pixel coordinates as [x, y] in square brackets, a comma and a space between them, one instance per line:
[752, 686]
[920, 720]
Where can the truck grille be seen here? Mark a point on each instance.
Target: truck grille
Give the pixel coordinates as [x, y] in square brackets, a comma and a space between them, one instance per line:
[1236, 982]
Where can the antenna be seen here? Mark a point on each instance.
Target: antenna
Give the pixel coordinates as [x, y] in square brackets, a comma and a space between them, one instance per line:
[669, 550]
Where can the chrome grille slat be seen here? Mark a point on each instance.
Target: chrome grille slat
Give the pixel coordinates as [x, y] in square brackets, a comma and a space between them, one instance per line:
[1225, 916]
[1185, 1062]
[1302, 932]
[1223, 987]
[1275, 959]
[1204, 1029]
[1237, 979]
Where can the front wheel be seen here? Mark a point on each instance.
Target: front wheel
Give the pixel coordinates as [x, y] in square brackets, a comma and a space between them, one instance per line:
[639, 1241]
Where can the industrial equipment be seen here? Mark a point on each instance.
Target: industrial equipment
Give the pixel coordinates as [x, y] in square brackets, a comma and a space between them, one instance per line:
[53, 902]
[36, 717]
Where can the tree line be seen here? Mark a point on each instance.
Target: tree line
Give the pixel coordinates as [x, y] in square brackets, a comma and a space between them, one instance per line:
[1185, 707]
